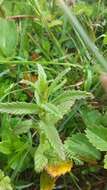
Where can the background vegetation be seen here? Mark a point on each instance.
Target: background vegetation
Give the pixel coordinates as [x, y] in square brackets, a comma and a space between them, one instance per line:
[53, 95]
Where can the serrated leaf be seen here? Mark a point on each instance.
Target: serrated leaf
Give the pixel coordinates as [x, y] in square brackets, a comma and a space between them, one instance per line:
[23, 127]
[52, 135]
[40, 162]
[59, 86]
[19, 108]
[78, 145]
[97, 135]
[64, 107]
[67, 99]
[72, 95]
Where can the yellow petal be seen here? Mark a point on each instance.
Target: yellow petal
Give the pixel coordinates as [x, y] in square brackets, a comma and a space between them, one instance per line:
[59, 169]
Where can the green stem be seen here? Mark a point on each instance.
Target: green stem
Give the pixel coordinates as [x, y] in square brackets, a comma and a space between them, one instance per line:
[46, 182]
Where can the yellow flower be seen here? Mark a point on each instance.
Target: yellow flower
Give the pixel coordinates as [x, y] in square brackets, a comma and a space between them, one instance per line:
[59, 169]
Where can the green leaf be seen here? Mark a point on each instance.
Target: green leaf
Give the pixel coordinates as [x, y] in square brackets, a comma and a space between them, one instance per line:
[53, 87]
[5, 182]
[41, 86]
[55, 23]
[66, 100]
[42, 75]
[88, 78]
[105, 161]
[97, 135]
[105, 39]
[91, 117]
[19, 161]
[8, 37]
[19, 108]
[40, 162]
[23, 127]
[52, 109]
[72, 95]
[5, 147]
[64, 107]
[52, 135]
[79, 146]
